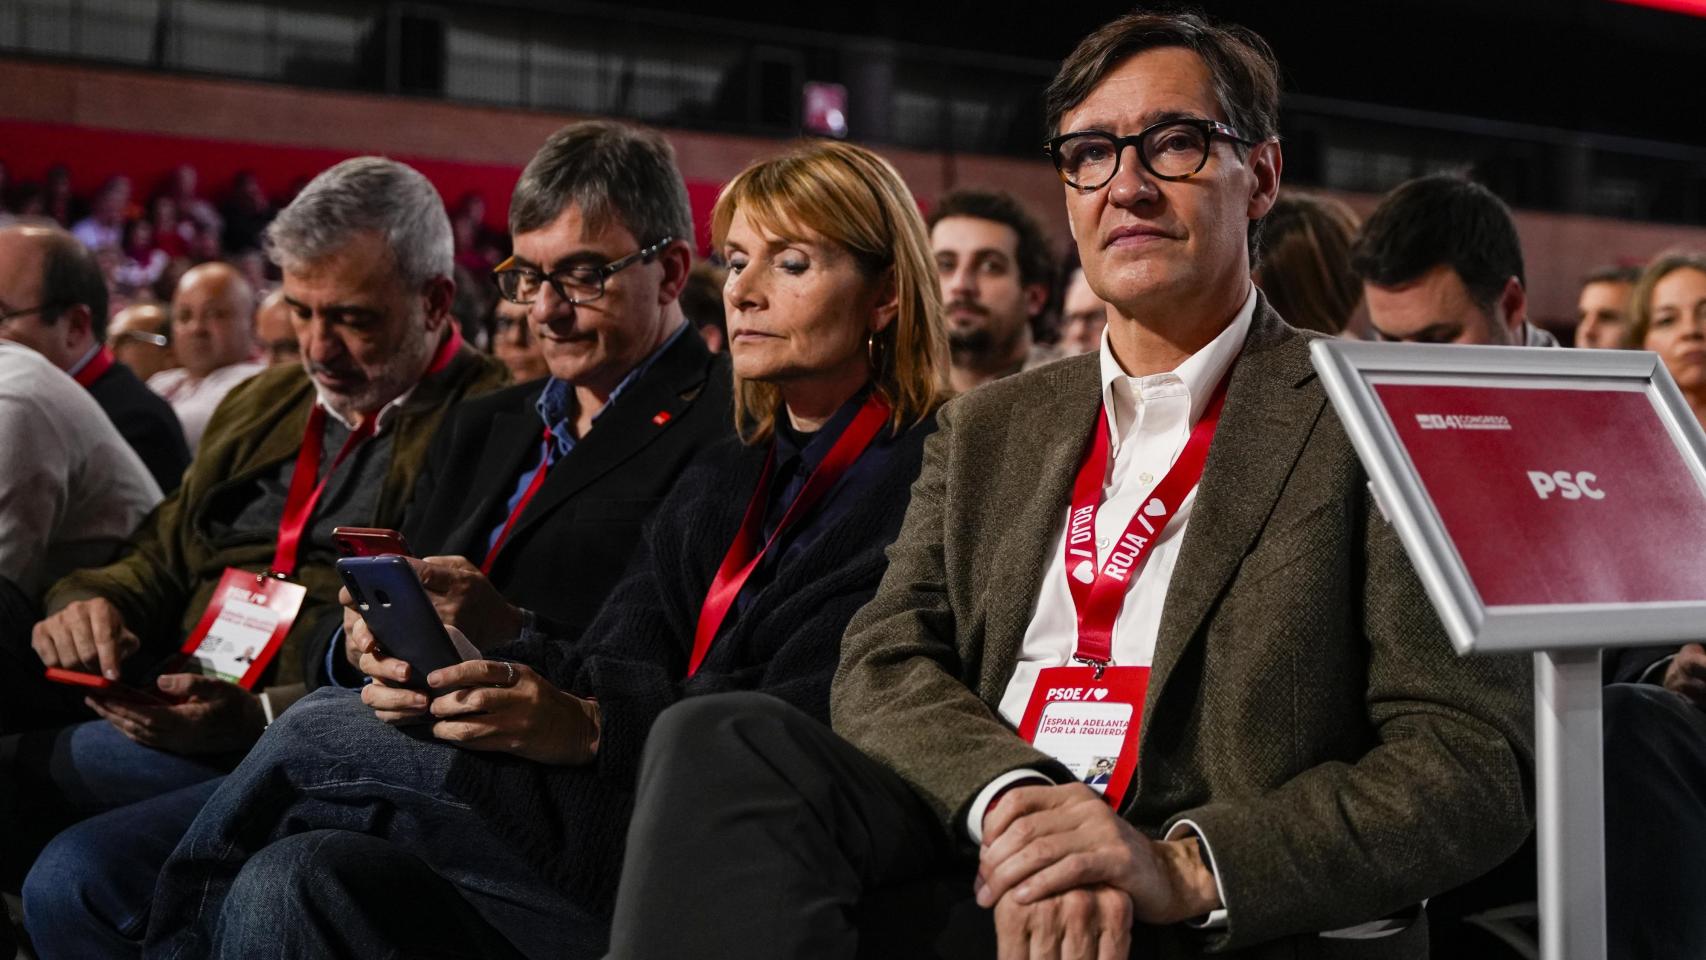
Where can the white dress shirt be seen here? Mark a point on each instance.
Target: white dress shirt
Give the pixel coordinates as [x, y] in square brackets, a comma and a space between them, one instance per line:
[1149, 422]
[195, 400]
[71, 489]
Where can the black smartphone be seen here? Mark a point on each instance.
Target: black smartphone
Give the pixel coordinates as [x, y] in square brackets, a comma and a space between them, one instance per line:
[389, 596]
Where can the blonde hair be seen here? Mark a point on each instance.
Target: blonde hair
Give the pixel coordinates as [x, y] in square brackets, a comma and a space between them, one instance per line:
[1641, 297]
[857, 200]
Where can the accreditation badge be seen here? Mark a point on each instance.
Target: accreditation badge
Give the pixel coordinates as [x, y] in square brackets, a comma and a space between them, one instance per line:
[1089, 723]
[243, 626]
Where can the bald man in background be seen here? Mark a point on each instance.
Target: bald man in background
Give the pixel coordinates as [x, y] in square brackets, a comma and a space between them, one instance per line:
[140, 337]
[213, 334]
[54, 301]
[273, 332]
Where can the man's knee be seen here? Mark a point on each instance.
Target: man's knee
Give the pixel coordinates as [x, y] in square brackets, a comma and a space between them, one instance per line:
[715, 724]
[1644, 721]
[327, 719]
[58, 889]
[292, 873]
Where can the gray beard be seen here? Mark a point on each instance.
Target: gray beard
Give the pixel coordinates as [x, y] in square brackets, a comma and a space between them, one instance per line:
[398, 375]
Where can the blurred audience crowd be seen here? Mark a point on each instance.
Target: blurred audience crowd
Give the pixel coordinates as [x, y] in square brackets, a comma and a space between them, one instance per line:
[737, 592]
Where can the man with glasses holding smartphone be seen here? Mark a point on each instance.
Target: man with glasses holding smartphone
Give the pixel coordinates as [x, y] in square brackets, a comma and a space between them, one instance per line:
[1148, 674]
[53, 300]
[534, 497]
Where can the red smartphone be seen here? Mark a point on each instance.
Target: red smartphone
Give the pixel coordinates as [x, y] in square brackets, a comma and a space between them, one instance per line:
[99, 686]
[370, 542]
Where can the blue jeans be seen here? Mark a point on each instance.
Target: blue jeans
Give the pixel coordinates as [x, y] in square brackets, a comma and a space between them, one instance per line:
[89, 893]
[330, 767]
[50, 779]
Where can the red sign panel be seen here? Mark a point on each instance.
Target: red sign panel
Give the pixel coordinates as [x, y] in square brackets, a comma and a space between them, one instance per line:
[1556, 496]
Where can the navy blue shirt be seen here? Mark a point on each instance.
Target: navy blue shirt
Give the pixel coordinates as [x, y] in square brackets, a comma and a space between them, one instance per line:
[797, 455]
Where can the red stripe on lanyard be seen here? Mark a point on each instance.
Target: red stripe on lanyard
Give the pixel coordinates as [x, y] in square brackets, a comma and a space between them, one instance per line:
[446, 350]
[98, 364]
[306, 484]
[1098, 590]
[526, 496]
[745, 553]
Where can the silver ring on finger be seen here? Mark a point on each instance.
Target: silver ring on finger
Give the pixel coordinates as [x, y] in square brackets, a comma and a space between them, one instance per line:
[509, 677]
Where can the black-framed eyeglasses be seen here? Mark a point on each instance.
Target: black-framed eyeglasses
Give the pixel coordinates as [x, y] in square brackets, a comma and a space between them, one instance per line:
[10, 315]
[573, 285]
[1171, 150]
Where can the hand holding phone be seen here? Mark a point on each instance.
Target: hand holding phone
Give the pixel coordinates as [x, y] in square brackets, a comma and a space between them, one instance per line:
[395, 608]
[100, 687]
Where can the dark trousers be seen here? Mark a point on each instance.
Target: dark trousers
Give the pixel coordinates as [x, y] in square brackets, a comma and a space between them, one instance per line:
[329, 767]
[27, 701]
[89, 893]
[50, 779]
[1655, 824]
[760, 833]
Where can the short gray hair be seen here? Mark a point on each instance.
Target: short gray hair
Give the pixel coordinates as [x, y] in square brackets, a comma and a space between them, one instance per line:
[361, 194]
[608, 170]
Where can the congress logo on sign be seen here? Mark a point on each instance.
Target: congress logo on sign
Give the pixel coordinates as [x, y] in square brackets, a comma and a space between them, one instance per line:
[1436, 421]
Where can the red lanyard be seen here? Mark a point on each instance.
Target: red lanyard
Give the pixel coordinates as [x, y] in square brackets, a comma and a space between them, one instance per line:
[526, 496]
[305, 491]
[1098, 590]
[306, 484]
[745, 553]
[98, 364]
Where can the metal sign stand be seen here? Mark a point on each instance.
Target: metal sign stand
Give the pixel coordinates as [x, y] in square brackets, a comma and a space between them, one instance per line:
[1564, 637]
[1570, 820]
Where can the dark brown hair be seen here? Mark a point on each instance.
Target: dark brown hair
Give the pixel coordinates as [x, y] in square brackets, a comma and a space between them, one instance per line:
[1035, 263]
[1240, 63]
[1306, 262]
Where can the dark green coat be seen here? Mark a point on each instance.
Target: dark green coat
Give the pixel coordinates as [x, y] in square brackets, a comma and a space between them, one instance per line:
[164, 582]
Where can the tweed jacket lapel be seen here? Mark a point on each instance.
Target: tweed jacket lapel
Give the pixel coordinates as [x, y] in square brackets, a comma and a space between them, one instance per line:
[1262, 431]
[1038, 460]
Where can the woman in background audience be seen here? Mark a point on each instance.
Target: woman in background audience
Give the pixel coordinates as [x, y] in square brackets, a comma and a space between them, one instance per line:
[1667, 315]
[514, 344]
[1304, 267]
[143, 261]
[341, 835]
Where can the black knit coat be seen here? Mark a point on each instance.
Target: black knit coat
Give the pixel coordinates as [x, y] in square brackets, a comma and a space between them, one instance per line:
[572, 821]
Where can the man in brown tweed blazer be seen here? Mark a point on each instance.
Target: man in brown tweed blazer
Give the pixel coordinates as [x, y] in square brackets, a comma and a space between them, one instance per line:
[1313, 760]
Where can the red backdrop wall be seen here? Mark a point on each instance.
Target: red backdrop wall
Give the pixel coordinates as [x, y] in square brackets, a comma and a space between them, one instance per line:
[93, 154]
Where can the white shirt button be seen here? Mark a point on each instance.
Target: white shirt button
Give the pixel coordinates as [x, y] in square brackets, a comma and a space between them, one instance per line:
[1146, 478]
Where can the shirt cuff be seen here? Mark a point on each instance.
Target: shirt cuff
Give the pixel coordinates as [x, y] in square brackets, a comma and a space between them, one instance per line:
[334, 656]
[532, 631]
[1216, 919]
[986, 796]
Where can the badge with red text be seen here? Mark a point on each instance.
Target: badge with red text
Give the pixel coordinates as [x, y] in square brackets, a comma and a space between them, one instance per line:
[1089, 724]
[243, 627]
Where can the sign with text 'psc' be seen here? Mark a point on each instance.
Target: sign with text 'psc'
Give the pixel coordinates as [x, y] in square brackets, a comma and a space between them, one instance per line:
[1548, 498]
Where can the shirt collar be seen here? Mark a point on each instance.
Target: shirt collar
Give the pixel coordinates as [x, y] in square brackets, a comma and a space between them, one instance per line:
[557, 401]
[1199, 374]
[818, 445]
[383, 418]
[77, 367]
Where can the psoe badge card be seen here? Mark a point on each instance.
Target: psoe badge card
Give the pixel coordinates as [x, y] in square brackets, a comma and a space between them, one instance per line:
[1089, 723]
[243, 627]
